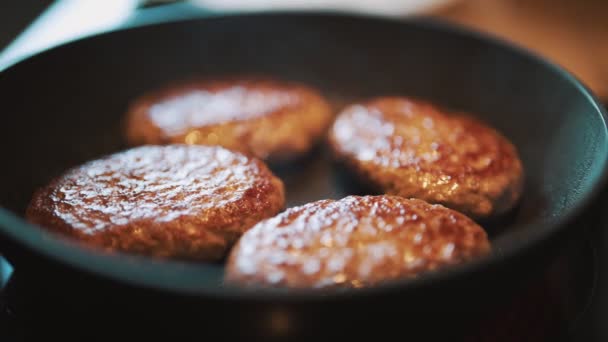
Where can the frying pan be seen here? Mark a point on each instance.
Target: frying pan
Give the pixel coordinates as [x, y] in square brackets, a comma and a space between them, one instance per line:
[64, 106]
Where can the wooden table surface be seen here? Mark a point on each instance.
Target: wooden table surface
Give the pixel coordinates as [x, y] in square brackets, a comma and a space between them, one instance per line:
[572, 33]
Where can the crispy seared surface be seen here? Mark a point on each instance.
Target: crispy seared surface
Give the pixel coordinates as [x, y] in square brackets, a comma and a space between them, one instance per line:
[353, 242]
[179, 201]
[413, 149]
[269, 119]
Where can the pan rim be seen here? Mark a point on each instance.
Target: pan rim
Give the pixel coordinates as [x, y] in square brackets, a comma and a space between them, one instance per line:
[113, 266]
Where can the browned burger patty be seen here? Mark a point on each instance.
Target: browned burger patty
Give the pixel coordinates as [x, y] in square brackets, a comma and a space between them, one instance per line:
[269, 119]
[413, 149]
[353, 242]
[179, 201]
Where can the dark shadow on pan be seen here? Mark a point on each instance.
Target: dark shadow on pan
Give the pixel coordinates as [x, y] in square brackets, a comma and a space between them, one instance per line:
[296, 166]
[349, 182]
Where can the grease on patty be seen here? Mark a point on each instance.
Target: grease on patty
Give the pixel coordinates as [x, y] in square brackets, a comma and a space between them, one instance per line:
[178, 201]
[354, 242]
[269, 119]
[412, 148]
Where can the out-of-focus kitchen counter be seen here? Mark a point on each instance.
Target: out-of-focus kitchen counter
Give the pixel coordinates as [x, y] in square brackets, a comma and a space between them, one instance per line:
[572, 33]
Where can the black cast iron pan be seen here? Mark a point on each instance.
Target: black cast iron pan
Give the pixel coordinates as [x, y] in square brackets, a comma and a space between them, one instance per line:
[64, 106]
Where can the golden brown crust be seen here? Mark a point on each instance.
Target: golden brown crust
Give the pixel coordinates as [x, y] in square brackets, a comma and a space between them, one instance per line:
[353, 242]
[413, 149]
[268, 119]
[178, 201]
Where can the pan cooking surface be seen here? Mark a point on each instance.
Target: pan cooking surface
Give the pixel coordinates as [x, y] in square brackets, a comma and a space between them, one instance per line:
[66, 106]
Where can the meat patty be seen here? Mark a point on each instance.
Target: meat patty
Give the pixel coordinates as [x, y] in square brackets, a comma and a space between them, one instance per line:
[354, 242]
[176, 201]
[414, 149]
[269, 119]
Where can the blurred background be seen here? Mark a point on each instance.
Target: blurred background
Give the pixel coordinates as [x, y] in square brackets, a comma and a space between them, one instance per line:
[572, 33]
[15, 15]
